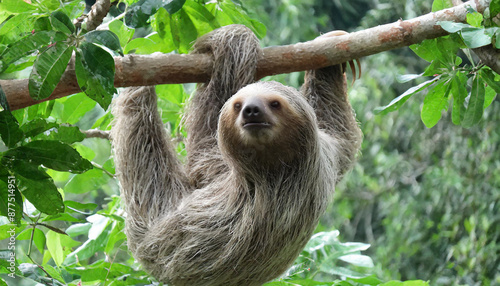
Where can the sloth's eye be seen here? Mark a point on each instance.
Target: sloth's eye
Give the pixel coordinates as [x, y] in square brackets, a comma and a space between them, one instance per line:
[275, 104]
[237, 106]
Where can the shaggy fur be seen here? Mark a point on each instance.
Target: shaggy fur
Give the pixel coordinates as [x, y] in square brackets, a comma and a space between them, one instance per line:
[247, 201]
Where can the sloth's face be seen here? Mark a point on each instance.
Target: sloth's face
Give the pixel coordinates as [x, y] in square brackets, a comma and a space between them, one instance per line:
[259, 115]
[266, 122]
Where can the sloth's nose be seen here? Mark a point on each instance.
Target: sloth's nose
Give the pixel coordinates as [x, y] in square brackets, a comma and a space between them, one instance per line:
[253, 110]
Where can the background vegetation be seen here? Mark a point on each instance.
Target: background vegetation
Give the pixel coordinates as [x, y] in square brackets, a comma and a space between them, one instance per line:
[421, 203]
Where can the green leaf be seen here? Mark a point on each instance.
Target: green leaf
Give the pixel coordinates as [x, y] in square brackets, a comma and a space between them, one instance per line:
[105, 38]
[42, 194]
[26, 169]
[10, 132]
[15, 28]
[396, 103]
[78, 229]
[441, 4]
[370, 280]
[74, 9]
[408, 77]
[42, 24]
[453, 27]
[48, 69]
[459, 93]
[184, 32]
[489, 96]
[98, 237]
[138, 14]
[51, 154]
[95, 72]
[123, 32]
[358, 260]
[494, 8]
[162, 24]
[406, 283]
[55, 247]
[202, 18]
[66, 134]
[104, 122]
[426, 50]
[83, 183]
[38, 237]
[173, 6]
[37, 126]
[25, 46]
[442, 50]
[435, 101]
[61, 22]
[71, 109]
[55, 274]
[233, 15]
[474, 111]
[16, 6]
[475, 19]
[11, 202]
[61, 217]
[475, 38]
[78, 207]
[489, 77]
[141, 46]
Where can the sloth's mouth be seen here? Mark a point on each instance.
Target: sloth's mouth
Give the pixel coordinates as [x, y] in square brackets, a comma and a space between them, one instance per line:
[256, 125]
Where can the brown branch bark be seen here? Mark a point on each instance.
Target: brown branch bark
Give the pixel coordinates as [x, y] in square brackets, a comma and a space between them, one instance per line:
[137, 70]
[95, 16]
[99, 10]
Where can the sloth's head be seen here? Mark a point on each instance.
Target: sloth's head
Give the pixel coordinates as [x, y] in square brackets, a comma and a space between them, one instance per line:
[266, 121]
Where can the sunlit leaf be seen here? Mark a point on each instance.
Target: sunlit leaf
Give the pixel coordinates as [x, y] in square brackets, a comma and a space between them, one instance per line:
[183, 30]
[434, 102]
[26, 46]
[55, 247]
[441, 4]
[15, 28]
[358, 260]
[83, 183]
[475, 19]
[123, 32]
[71, 109]
[16, 6]
[396, 103]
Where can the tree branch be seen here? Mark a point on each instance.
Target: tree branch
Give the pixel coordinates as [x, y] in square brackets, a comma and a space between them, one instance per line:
[487, 54]
[96, 15]
[137, 70]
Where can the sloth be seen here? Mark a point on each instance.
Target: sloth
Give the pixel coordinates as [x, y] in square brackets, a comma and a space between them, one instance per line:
[262, 162]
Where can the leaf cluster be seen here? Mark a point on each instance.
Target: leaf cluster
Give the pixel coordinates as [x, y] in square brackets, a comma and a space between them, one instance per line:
[468, 88]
